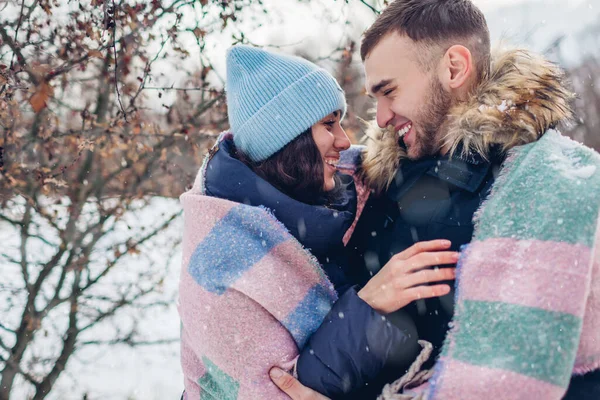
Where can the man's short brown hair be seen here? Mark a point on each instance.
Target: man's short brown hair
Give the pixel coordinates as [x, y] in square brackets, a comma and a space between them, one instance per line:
[437, 25]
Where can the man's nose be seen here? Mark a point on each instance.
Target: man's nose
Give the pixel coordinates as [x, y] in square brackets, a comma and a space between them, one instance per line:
[384, 114]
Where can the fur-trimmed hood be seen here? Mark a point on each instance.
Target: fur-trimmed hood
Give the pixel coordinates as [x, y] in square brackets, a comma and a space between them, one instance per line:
[523, 97]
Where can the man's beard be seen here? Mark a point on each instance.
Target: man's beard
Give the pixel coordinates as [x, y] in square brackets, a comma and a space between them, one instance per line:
[429, 120]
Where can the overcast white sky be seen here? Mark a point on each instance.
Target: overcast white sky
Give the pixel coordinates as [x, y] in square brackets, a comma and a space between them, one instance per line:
[304, 23]
[305, 26]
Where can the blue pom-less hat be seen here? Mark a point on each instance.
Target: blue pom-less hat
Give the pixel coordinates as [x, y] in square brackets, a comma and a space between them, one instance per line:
[273, 98]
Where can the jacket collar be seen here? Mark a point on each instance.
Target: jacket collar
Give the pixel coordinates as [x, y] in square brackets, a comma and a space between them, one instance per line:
[317, 227]
[460, 173]
[463, 172]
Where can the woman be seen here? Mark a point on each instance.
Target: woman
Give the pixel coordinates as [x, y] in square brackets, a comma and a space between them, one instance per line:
[263, 282]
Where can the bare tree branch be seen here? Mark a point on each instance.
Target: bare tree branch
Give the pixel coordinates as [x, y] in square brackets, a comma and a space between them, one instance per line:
[42, 239]
[31, 8]
[3, 327]
[147, 70]
[166, 88]
[117, 305]
[24, 240]
[376, 11]
[208, 105]
[30, 378]
[3, 346]
[44, 387]
[17, 30]
[128, 340]
[16, 50]
[70, 65]
[71, 264]
[11, 260]
[41, 210]
[114, 44]
[130, 246]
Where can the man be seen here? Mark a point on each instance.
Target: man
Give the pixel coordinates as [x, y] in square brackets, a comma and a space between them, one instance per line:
[449, 113]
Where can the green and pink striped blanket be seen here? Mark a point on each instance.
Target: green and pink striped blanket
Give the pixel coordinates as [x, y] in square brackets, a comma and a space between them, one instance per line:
[527, 313]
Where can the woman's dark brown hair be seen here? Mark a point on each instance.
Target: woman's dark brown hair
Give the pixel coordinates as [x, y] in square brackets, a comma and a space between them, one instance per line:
[296, 170]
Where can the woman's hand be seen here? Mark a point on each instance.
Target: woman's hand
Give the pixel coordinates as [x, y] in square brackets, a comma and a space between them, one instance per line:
[290, 386]
[402, 280]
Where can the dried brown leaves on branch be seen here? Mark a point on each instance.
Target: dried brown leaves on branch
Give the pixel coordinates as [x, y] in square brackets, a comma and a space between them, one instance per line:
[87, 137]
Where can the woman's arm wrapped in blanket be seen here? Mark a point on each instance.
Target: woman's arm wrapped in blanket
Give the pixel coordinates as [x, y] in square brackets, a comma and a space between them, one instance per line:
[250, 296]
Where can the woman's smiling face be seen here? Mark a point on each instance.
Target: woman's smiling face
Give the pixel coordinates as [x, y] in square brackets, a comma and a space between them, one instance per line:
[330, 139]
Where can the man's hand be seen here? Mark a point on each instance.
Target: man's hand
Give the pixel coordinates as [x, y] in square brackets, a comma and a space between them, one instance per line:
[290, 386]
[405, 277]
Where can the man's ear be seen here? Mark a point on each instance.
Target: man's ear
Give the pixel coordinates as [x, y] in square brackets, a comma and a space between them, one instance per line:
[456, 68]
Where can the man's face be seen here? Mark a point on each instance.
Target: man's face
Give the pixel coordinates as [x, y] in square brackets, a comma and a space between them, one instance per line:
[409, 98]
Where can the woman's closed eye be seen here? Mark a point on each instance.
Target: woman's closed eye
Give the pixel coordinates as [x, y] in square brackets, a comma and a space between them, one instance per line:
[329, 124]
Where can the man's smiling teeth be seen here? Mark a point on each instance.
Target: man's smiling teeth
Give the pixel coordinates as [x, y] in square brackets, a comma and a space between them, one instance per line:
[404, 130]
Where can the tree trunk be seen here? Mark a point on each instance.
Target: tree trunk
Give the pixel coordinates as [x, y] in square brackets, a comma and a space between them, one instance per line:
[24, 337]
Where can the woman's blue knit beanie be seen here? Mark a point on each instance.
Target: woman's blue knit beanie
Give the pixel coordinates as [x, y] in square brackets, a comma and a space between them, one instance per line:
[273, 98]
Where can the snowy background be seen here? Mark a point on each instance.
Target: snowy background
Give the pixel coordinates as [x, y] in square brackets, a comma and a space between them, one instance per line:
[121, 372]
